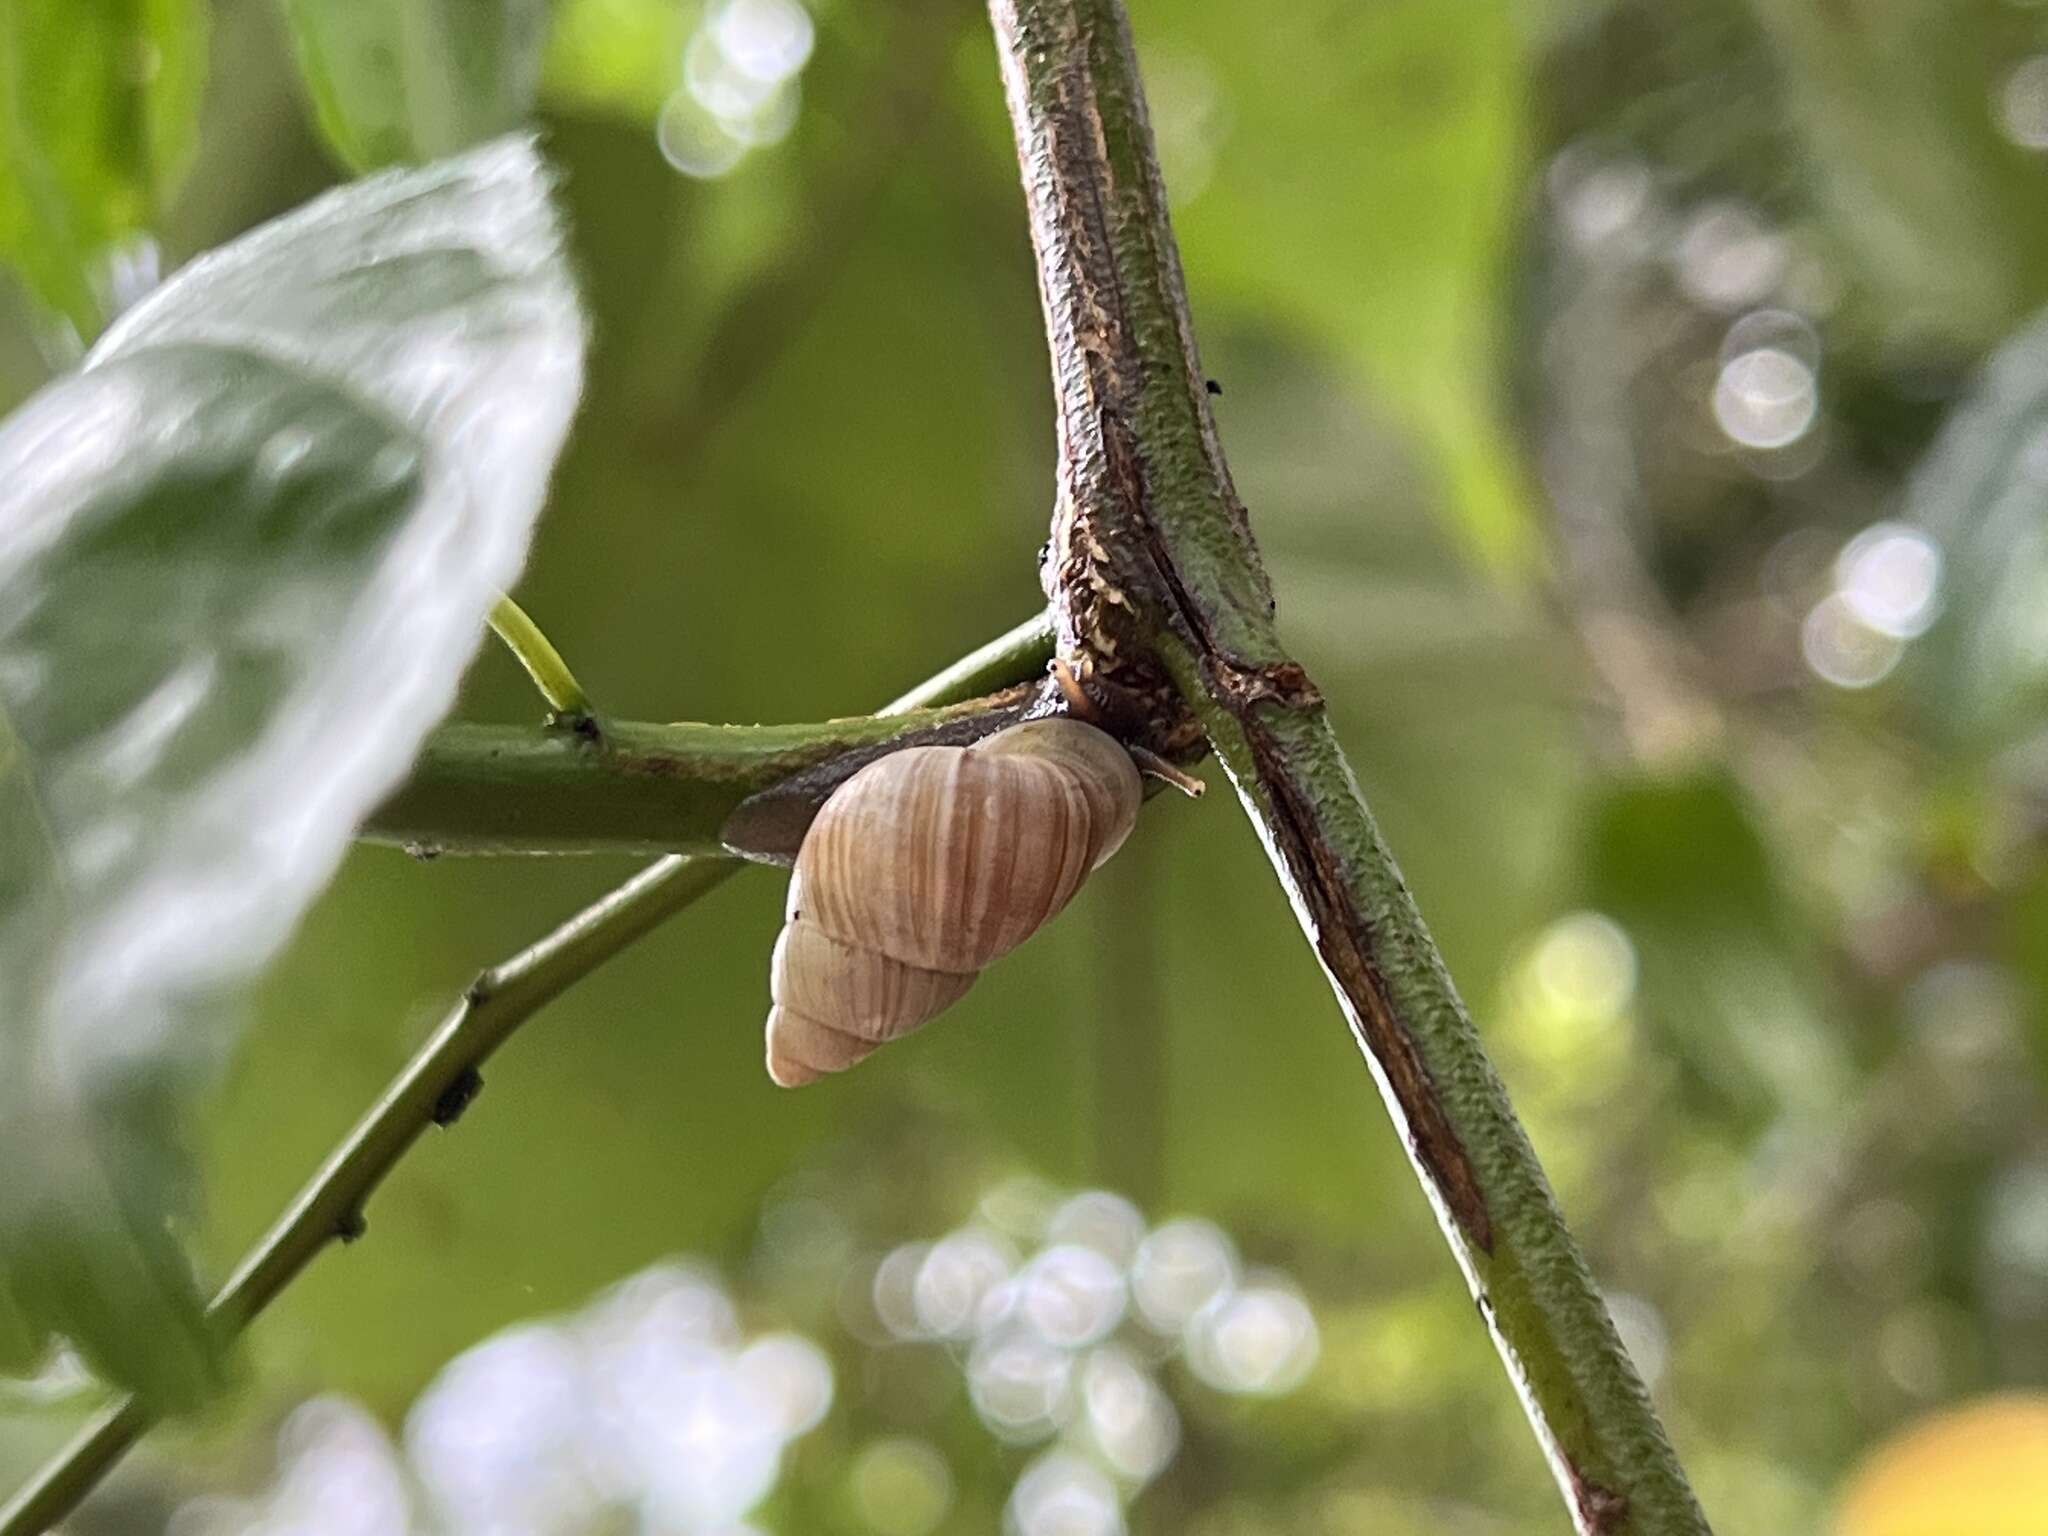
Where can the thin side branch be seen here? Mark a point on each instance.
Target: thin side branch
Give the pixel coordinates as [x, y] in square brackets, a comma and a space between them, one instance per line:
[1160, 596]
[532, 649]
[438, 1084]
[432, 1090]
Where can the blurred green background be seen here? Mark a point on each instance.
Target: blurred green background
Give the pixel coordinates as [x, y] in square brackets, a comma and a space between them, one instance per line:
[1644, 414]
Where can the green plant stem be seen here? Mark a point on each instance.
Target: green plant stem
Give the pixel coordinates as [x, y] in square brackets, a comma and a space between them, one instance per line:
[437, 1085]
[508, 789]
[1158, 589]
[543, 663]
[1014, 656]
[431, 1090]
[629, 787]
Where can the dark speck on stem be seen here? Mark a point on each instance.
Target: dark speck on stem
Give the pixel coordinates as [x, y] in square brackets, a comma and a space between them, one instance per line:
[458, 1096]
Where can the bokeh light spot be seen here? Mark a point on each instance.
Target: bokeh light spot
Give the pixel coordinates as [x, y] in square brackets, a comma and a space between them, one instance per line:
[1180, 1268]
[1766, 398]
[767, 40]
[1097, 1219]
[1060, 1494]
[694, 141]
[2023, 104]
[1130, 1420]
[1072, 1295]
[1260, 1339]
[1020, 1385]
[957, 1274]
[902, 1486]
[1890, 577]
[1842, 649]
[1599, 202]
[1727, 258]
[1585, 965]
[895, 1290]
[793, 1374]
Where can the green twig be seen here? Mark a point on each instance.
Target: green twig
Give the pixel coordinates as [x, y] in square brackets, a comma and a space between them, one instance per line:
[1159, 592]
[1013, 656]
[496, 789]
[535, 652]
[641, 788]
[429, 1091]
[435, 1087]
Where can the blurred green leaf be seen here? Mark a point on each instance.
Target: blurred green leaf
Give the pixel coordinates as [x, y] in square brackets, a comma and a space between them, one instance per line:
[1980, 674]
[1689, 85]
[99, 103]
[18, 1341]
[411, 80]
[1349, 170]
[2025, 923]
[1724, 985]
[1898, 102]
[251, 547]
[617, 56]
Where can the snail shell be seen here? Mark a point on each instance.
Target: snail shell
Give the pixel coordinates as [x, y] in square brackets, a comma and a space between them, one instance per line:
[925, 866]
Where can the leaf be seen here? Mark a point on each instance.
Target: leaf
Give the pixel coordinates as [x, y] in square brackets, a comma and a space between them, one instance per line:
[410, 80]
[18, 1341]
[1386, 244]
[617, 56]
[1940, 215]
[99, 108]
[1726, 989]
[2025, 920]
[1980, 673]
[244, 556]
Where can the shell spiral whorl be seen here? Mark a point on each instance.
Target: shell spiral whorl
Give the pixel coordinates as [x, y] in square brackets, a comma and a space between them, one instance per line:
[925, 866]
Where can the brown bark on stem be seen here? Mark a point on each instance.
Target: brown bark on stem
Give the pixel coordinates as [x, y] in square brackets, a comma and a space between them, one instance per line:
[1164, 614]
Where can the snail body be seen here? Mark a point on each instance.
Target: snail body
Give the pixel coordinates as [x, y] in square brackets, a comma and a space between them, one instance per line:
[925, 866]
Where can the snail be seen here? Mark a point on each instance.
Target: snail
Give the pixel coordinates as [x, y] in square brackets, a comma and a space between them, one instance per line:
[925, 866]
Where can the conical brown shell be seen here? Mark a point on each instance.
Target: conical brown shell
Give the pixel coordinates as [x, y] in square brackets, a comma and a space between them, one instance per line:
[925, 866]
[859, 991]
[948, 857]
[1101, 769]
[802, 1049]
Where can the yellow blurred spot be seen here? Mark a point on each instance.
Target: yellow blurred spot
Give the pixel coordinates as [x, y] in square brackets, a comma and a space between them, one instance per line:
[1978, 1470]
[903, 1487]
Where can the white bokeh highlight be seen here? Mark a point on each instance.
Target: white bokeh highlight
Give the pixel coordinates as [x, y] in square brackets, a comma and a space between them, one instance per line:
[1889, 576]
[1062, 1494]
[739, 85]
[653, 1409]
[1259, 1340]
[648, 1410]
[1766, 398]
